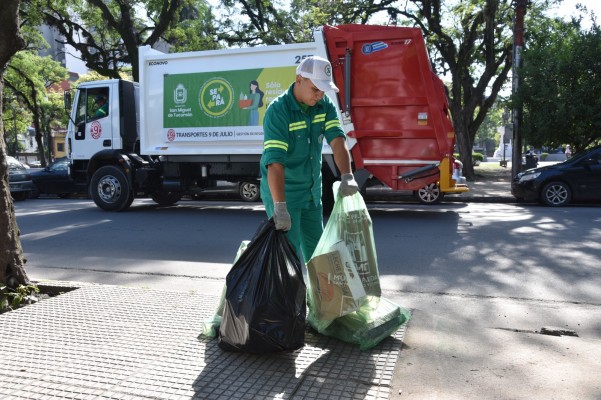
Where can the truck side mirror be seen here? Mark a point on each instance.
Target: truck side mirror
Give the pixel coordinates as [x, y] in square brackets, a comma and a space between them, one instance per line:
[67, 100]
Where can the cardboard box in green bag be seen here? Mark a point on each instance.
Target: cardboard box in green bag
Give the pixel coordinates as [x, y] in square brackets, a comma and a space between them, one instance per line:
[336, 286]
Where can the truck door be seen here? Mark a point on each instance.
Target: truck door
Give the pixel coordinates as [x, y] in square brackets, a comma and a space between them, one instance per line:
[93, 122]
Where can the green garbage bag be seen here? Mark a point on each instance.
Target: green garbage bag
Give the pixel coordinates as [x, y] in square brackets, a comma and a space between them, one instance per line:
[343, 270]
[337, 308]
[210, 326]
[368, 326]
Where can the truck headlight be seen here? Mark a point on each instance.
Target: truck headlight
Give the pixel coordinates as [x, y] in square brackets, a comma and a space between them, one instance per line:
[528, 177]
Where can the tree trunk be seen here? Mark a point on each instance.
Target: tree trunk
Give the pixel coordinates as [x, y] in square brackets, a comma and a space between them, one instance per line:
[464, 145]
[12, 271]
[39, 133]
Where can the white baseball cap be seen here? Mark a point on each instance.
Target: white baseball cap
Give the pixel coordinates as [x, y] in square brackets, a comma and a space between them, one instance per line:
[319, 71]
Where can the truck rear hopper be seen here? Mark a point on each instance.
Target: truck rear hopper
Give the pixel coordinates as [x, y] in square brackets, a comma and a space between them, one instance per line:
[395, 107]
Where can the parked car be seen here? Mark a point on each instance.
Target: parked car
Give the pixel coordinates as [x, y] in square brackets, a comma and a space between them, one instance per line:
[249, 191]
[54, 179]
[246, 191]
[19, 179]
[576, 180]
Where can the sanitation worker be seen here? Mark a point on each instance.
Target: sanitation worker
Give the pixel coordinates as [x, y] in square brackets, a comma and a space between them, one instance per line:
[102, 107]
[295, 125]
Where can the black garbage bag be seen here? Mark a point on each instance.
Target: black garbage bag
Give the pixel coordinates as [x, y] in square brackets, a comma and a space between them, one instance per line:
[265, 300]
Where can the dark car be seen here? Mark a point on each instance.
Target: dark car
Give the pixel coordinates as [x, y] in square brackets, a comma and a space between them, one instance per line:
[577, 180]
[54, 179]
[246, 191]
[19, 179]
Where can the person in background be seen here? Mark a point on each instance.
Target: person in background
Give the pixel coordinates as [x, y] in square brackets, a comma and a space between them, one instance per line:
[568, 151]
[295, 125]
[102, 105]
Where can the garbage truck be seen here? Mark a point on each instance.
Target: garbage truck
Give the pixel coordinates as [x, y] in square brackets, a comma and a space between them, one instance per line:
[196, 118]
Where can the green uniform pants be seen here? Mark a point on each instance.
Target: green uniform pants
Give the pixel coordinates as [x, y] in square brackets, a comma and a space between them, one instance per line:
[306, 229]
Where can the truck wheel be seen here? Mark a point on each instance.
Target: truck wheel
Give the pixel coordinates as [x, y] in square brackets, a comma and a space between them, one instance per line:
[165, 199]
[130, 200]
[556, 194]
[109, 189]
[249, 191]
[429, 194]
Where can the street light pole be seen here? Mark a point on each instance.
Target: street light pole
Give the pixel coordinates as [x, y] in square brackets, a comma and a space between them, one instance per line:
[518, 44]
[506, 133]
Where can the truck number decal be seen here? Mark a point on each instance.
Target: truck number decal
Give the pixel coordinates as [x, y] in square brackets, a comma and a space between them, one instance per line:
[299, 58]
[95, 129]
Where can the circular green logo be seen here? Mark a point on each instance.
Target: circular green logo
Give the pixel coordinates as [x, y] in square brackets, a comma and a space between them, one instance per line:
[216, 97]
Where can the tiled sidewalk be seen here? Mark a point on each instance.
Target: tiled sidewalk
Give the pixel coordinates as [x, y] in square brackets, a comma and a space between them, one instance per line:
[110, 342]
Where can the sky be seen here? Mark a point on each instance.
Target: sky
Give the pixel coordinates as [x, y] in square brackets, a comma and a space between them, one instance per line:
[568, 8]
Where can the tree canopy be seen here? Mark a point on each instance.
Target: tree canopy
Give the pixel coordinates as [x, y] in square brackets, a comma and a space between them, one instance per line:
[251, 23]
[561, 85]
[29, 78]
[106, 33]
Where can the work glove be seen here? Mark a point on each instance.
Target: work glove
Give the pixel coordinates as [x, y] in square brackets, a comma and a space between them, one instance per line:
[348, 185]
[281, 216]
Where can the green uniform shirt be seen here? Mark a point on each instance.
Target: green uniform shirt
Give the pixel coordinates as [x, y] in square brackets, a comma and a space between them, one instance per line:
[103, 111]
[294, 138]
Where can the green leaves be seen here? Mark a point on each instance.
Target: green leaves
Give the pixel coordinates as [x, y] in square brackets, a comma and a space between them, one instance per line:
[561, 85]
[13, 298]
[107, 33]
[28, 78]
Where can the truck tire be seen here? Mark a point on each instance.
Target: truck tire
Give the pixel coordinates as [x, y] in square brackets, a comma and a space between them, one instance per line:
[110, 189]
[429, 194]
[130, 200]
[166, 199]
